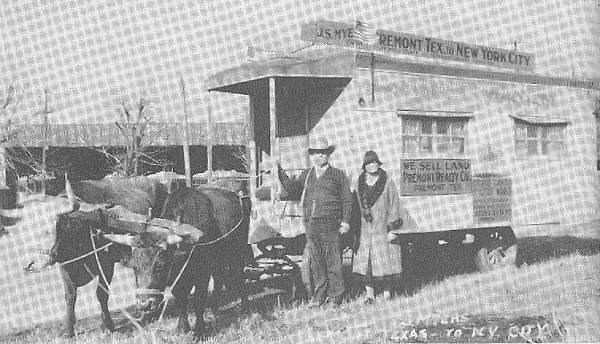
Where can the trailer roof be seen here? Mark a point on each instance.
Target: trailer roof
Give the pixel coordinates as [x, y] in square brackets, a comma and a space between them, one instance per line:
[339, 62]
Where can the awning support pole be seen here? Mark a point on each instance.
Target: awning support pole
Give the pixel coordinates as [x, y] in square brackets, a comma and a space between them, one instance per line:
[186, 139]
[274, 141]
[209, 141]
[307, 125]
[251, 149]
[46, 111]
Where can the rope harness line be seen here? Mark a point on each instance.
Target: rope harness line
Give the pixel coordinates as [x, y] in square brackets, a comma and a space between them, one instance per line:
[106, 289]
[94, 251]
[134, 321]
[98, 261]
[168, 292]
[60, 264]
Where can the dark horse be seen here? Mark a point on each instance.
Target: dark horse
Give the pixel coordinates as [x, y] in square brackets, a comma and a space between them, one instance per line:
[74, 235]
[75, 238]
[230, 272]
[219, 213]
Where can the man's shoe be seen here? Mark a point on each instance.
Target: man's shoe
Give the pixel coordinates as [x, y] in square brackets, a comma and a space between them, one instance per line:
[337, 302]
[315, 304]
[335, 305]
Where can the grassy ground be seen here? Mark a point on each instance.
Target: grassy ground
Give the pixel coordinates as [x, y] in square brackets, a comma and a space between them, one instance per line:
[546, 299]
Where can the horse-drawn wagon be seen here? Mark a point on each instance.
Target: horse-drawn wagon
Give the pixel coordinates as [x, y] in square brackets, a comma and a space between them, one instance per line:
[320, 91]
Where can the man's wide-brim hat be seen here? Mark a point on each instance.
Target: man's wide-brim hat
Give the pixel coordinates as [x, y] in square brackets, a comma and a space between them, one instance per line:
[371, 156]
[321, 146]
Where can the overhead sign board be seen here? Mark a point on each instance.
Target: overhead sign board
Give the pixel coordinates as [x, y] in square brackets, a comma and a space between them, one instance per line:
[329, 32]
[336, 33]
[435, 177]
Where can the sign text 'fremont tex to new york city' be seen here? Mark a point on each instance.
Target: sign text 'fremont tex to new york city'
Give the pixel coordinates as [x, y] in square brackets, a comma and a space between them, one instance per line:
[336, 33]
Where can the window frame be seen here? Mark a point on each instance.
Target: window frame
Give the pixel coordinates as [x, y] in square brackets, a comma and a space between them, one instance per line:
[597, 117]
[456, 131]
[538, 139]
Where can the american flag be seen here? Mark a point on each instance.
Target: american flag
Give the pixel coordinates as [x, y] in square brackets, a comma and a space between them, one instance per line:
[364, 34]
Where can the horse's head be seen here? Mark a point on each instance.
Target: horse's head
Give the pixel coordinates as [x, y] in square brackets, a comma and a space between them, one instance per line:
[152, 261]
[155, 251]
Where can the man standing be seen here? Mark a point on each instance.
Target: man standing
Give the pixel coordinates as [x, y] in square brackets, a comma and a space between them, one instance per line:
[327, 203]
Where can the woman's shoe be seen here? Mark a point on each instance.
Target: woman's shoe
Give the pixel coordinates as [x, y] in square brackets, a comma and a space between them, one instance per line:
[387, 294]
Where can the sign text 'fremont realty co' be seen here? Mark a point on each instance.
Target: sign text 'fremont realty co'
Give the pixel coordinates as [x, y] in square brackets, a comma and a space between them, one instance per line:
[435, 177]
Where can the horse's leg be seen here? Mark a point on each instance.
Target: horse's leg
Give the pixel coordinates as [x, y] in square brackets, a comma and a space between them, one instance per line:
[218, 283]
[200, 301]
[70, 298]
[181, 294]
[102, 294]
[236, 276]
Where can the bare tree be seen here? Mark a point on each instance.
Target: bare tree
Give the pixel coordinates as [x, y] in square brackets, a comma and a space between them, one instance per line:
[7, 132]
[13, 155]
[133, 125]
[231, 157]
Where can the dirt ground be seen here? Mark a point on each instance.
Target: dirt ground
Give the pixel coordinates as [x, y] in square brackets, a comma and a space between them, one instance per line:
[31, 306]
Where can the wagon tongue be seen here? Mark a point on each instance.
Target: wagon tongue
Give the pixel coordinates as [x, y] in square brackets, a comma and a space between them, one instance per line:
[119, 217]
[174, 232]
[70, 195]
[183, 230]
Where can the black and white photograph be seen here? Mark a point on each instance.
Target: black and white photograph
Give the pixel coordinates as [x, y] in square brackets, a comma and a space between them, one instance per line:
[318, 171]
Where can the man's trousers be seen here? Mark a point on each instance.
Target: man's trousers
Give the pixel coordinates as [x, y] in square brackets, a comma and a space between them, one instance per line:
[323, 248]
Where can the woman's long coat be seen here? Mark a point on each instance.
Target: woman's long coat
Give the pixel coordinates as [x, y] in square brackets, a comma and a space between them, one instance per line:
[386, 258]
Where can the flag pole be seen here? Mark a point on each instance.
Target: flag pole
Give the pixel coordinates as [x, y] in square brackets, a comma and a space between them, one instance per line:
[373, 77]
[362, 38]
[355, 42]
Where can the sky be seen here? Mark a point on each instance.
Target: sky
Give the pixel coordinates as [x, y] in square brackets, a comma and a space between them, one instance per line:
[93, 55]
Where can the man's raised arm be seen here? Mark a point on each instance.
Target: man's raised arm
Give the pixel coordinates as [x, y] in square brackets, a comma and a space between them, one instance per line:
[292, 186]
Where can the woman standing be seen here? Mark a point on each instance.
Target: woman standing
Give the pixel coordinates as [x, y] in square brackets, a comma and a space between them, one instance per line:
[377, 261]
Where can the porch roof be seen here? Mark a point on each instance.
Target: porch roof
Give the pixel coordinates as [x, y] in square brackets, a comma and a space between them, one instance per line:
[317, 61]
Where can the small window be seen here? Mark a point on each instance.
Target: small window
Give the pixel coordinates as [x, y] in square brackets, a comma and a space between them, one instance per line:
[538, 139]
[426, 135]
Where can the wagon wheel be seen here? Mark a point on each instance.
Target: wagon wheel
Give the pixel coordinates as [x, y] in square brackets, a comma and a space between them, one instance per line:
[488, 260]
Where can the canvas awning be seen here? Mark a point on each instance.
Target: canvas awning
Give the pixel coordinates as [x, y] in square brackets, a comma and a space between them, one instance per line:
[432, 113]
[541, 119]
[319, 62]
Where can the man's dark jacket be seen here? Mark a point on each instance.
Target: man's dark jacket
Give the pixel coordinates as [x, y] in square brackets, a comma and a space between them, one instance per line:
[326, 198]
